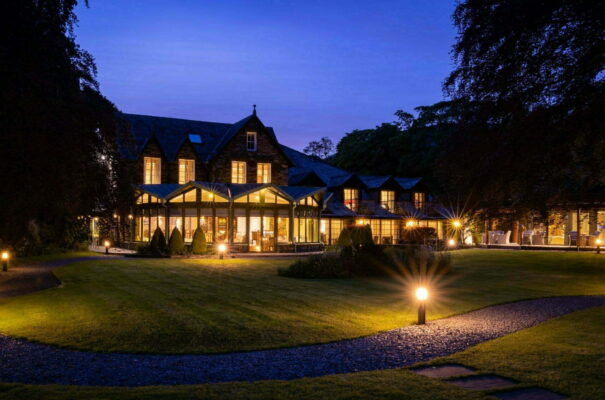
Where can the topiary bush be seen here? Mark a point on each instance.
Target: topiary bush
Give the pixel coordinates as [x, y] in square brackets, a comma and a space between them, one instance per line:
[199, 244]
[157, 246]
[176, 244]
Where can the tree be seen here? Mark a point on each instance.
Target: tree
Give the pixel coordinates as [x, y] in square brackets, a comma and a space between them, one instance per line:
[529, 75]
[158, 242]
[58, 141]
[321, 148]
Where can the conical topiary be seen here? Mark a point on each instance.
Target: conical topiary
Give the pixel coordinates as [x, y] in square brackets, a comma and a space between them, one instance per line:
[199, 244]
[344, 239]
[176, 245]
[158, 242]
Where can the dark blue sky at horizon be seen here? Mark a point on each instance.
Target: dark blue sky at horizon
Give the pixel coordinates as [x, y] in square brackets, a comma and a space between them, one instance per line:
[314, 68]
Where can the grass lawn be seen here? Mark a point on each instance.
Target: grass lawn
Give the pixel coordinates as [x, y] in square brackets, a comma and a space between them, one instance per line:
[565, 354]
[195, 306]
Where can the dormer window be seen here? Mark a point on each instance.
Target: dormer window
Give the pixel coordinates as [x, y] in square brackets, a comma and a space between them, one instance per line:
[186, 170]
[251, 141]
[351, 199]
[152, 168]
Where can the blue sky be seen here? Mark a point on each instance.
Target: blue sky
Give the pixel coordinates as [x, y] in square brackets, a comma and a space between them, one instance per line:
[314, 68]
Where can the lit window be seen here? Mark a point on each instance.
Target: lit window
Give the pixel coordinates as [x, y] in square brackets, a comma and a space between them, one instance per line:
[238, 172]
[251, 141]
[387, 199]
[152, 170]
[263, 173]
[186, 170]
[351, 199]
[419, 200]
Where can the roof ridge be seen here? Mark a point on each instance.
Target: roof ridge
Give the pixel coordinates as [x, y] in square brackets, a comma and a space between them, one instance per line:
[178, 119]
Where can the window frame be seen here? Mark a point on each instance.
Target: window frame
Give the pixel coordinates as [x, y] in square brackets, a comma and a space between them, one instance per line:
[184, 162]
[235, 172]
[254, 141]
[352, 203]
[158, 169]
[387, 200]
[260, 167]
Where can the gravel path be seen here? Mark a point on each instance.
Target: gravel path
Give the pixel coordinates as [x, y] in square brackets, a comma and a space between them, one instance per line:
[28, 362]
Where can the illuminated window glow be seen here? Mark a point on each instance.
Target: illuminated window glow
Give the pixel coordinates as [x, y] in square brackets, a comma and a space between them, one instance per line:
[186, 170]
[263, 173]
[351, 199]
[152, 170]
[238, 172]
[387, 199]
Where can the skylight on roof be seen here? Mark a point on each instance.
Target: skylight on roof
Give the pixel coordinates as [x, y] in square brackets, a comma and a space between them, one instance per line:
[194, 138]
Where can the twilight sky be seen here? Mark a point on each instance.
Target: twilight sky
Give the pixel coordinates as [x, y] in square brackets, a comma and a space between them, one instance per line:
[313, 67]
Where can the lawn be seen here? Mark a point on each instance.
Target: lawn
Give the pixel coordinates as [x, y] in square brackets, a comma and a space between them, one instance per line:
[197, 306]
[565, 354]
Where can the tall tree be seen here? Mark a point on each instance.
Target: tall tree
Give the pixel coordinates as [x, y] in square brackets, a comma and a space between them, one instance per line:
[322, 148]
[532, 74]
[57, 147]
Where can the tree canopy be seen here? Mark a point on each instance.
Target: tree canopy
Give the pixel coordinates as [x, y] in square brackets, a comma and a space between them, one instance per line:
[57, 148]
[530, 75]
[322, 148]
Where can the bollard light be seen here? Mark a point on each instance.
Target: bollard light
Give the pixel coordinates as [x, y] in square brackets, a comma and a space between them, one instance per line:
[106, 244]
[422, 294]
[451, 243]
[222, 248]
[5, 257]
[598, 241]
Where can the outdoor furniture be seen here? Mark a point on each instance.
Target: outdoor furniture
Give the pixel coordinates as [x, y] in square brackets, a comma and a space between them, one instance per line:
[494, 236]
[502, 238]
[538, 239]
[572, 238]
[527, 237]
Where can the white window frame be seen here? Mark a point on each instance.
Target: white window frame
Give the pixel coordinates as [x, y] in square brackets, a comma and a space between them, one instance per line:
[151, 161]
[183, 163]
[260, 172]
[238, 170]
[251, 145]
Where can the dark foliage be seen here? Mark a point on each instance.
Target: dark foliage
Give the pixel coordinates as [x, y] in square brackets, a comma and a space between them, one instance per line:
[157, 246]
[415, 263]
[530, 77]
[199, 244]
[176, 245]
[419, 235]
[57, 142]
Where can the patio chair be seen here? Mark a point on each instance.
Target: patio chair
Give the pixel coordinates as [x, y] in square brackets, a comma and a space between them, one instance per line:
[538, 239]
[526, 237]
[572, 238]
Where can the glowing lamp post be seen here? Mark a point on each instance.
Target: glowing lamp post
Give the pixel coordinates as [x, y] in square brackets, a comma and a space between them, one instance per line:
[5, 257]
[106, 244]
[598, 242]
[421, 295]
[222, 248]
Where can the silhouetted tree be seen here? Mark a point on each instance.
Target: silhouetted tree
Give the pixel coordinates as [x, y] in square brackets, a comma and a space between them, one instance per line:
[322, 148]
[57, 146]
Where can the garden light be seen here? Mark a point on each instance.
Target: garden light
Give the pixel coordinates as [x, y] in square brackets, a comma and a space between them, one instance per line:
[421, 295]
[5, 257]
[222, 248]
[451, 243]
[106, 244]
[598, 242]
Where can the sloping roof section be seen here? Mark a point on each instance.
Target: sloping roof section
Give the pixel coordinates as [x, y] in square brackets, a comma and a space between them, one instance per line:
[300, 192]
[373, 181]
[331, 175]
[408, 183]
[162, 190]
[172, 133]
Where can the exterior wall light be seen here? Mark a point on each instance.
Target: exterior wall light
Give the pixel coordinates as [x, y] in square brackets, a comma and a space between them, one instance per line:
[106, 244]
[422, 294]
[222, 248]
[598, 242]
[410, 223]
[5, 258]
[456, 223]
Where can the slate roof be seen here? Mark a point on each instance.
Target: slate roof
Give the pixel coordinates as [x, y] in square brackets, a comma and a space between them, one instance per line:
[330, 175]
[171, 133]
[160, 190]
[408, 183]
[373, 181]
[300, 192]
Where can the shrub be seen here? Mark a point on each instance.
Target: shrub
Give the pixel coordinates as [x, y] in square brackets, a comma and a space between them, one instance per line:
[176, 245]
[344, 239]
[322, 266]
[157, 247]
[199, 244]
[418, 261]
[419, 235]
